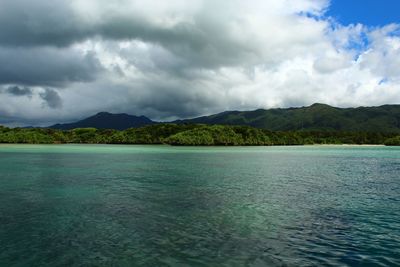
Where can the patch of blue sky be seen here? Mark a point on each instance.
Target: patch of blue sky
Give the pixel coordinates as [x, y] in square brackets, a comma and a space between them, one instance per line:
[361, 43]
[372, 13]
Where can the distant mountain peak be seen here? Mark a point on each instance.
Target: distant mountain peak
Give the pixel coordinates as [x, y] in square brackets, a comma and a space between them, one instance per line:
[106, 120]
[105, 113]
[319, 105]
[102, 113]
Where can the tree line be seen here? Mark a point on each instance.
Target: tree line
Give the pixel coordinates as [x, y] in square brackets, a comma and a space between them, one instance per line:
[194, 135]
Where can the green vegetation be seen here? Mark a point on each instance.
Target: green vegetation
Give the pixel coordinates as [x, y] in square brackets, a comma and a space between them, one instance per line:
[317, 117]
[194, 135]
[395, 141]
[220, 135]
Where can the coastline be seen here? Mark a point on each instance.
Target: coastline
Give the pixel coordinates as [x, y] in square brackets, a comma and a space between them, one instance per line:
[170, 145]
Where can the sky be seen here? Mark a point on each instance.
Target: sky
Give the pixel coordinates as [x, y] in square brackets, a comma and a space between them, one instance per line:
[63, 60]
[367, 12]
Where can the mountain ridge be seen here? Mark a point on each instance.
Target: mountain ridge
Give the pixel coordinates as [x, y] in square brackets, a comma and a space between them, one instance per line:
[315, 117]
[318, 116]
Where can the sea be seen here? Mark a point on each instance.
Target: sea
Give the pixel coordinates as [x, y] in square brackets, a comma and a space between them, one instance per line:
[159, 205]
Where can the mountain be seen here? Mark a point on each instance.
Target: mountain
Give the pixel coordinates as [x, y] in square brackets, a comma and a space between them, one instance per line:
[105, 120]
[384, 118]
[319, 117]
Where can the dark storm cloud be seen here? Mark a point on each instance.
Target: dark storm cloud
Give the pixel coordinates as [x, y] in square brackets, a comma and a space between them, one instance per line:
[197, 44]
[55, 23]
[168, 102]
[52, 98]
[39, 22]
[45, 66]
[19, 91]
[9, 120]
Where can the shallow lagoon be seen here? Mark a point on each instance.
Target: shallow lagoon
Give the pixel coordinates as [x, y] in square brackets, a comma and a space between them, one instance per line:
[94, 205]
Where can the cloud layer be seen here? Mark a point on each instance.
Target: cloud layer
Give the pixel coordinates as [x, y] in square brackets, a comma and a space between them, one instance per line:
[64, 60]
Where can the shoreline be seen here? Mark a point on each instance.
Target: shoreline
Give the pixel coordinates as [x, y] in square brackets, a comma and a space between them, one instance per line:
[107, 144]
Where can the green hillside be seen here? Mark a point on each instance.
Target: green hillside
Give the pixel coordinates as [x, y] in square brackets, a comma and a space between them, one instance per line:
[317, 117]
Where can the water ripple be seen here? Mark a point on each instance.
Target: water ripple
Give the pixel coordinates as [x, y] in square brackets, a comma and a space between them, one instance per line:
[165, 206]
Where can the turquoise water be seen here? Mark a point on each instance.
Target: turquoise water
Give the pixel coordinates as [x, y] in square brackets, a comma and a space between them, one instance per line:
[95, 205]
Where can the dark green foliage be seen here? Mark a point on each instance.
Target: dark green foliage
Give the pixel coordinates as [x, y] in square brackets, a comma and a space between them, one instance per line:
[317, 117]
[221, 135]
[155, 134]
[193, 134]
[394, 141]
[192, 138]
[29, 136]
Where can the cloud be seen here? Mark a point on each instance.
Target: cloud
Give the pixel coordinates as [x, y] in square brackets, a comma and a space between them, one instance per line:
[180, 59]
[19, 91]
[42, 22]
[46, 66]
[201, 33]
[60, 22]
[331, 63]
[51, 98]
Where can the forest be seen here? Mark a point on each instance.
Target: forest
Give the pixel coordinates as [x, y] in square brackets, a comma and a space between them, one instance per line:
[193, 135]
